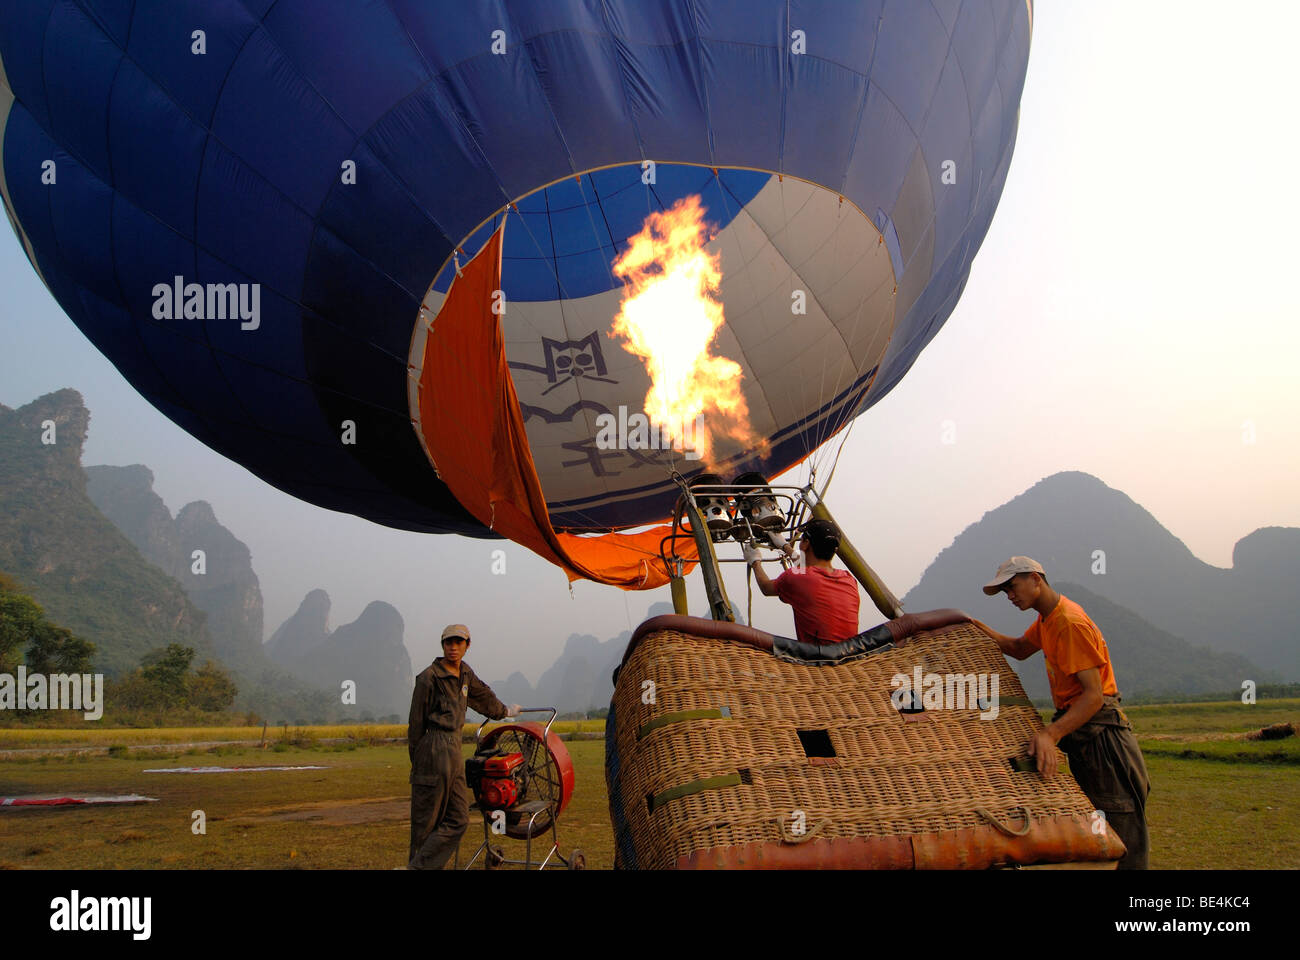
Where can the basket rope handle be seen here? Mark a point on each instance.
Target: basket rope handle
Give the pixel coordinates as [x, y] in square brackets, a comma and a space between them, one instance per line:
[788, 836]
[1029, 821]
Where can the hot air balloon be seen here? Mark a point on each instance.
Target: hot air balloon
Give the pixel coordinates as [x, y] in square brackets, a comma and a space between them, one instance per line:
[257, 210]
[428, 263]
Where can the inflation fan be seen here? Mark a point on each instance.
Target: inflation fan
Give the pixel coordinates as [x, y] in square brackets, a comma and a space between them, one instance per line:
[522, 779]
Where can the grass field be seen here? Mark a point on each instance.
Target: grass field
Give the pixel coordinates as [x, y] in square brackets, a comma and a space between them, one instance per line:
[355, 814]
[23, 737]
[1194, 720]
[1216, 801]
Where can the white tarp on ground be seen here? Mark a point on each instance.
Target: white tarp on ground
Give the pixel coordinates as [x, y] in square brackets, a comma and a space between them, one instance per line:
[72, 801]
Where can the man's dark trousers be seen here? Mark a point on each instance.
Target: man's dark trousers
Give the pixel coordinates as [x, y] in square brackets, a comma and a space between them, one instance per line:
[1107, 764]
[439, 806]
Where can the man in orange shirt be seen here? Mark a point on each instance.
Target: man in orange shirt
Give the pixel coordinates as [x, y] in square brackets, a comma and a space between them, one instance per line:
[1089, 725]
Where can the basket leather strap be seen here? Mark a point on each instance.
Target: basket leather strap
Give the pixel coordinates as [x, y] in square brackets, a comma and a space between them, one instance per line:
[656, 800]
[711, 713]
[789, 836]
[1002, 827]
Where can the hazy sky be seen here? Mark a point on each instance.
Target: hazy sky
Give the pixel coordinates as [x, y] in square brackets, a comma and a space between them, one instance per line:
[1134, 304]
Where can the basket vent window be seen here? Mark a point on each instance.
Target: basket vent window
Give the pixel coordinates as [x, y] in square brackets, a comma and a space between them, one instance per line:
[907, 701]
[816, 743]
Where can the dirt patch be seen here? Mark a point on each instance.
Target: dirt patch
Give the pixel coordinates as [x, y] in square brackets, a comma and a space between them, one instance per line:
[1276, 731]
[335, 813]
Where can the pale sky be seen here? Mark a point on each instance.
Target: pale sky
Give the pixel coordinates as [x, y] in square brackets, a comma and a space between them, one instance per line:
[1133, 313]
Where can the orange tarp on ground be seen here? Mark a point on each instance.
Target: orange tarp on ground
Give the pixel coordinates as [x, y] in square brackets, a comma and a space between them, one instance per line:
[474, 432]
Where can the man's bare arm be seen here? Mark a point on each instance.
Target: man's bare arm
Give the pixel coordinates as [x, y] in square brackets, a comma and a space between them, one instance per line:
[1085, 706]
[1015, 647]
[766, 585]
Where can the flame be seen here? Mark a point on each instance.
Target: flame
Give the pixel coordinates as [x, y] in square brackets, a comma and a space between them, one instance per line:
[669, 316]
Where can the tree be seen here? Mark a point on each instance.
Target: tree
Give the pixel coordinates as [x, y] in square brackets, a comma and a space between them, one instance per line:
[211, 688]
[167, 670]
[50, 647]
[56, 650]
[20, 620]
[134, 694]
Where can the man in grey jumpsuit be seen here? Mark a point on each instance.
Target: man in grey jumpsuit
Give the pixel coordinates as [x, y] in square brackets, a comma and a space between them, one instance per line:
[439, 795]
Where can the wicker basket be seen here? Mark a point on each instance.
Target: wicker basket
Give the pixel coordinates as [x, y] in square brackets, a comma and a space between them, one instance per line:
[706, 765]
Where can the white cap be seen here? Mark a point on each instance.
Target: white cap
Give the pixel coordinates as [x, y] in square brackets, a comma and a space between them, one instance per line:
[456, 630]
[1010, 569]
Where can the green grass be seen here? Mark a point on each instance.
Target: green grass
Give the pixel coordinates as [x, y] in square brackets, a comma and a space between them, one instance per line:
[354, 815]
[1216, 802]
[18, 738]
[1209, 815]
[1227, 751]
[1194, 720]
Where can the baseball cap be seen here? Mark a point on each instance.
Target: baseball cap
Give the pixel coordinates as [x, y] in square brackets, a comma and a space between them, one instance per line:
[1009, 569]
[456, 630]
[821, 530]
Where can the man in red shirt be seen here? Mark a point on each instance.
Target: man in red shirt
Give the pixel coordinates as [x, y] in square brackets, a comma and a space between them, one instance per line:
[825, 600]
[1089, 725]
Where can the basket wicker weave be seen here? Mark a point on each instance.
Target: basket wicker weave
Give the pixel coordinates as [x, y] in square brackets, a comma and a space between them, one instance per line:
[706, 767]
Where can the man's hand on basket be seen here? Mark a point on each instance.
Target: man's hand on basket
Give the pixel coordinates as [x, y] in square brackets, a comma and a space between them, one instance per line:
[1043, 747]
[514, 710]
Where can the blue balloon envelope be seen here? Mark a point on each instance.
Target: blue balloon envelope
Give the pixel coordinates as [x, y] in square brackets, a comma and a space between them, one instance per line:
[252, 208]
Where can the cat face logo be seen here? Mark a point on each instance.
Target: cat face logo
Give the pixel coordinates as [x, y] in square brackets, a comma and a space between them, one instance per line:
[568, 360]
[464, 689]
